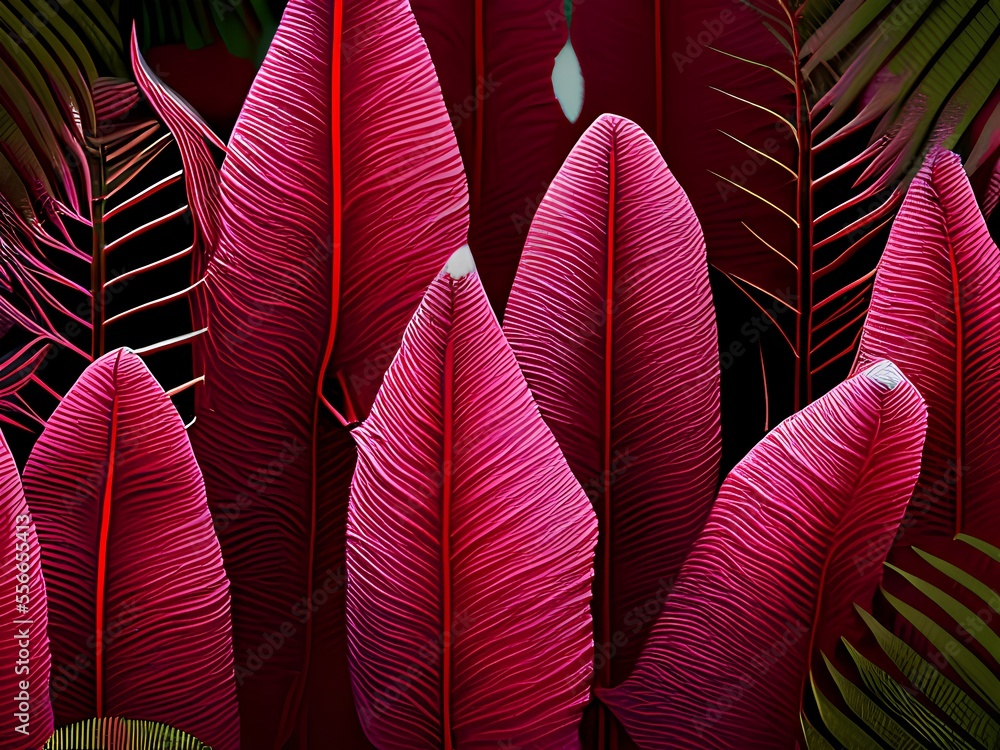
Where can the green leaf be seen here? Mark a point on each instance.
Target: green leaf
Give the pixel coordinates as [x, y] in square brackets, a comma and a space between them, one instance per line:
[906, 706]
[979, 544]
[954, 702]
[965, 617]
[872, 715]
[973, 584]
[814, 740]
[116, 733]
[968, 666]
[849, 734]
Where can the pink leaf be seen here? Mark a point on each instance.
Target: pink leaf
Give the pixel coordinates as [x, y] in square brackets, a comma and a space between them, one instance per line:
[770, 582]
[992, 194]
[470, 546]
[24, 645]
[138, 598]
[342, 196]
[611, 320]
[934, 313]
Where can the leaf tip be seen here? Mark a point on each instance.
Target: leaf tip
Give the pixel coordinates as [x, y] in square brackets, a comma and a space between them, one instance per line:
[461, 263]
[885, 373]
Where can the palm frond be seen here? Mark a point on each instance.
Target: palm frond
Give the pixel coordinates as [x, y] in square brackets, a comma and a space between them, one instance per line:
[919, 74]
[947, 697]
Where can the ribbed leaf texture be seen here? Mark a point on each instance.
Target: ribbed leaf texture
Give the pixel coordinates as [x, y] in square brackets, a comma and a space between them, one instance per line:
[24, 644]
[122, 734]
[342, 197]
[611, 320]
[469, 546]
[770, 582]
[935, 313]
[495, 62]
[138, 598]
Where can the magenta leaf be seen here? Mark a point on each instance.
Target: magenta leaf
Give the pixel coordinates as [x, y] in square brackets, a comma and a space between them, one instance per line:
[797, 534]
[935, 313]
[138, 598]
[611, 320]
[342, 195]
[470, 546]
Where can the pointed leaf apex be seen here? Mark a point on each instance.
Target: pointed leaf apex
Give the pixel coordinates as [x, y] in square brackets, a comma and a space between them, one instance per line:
[885, 373]
[461, 263]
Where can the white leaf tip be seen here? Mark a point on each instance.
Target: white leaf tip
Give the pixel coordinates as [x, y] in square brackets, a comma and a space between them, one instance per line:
[461, 263]
[884, 373]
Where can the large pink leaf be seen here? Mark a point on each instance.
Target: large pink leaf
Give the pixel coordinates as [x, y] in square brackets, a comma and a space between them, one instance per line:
[936, 313]
[138, 598]
[469, 546]
[24, 644]
[495, 61]
[342, 196]
[770, 582]
[611, 320]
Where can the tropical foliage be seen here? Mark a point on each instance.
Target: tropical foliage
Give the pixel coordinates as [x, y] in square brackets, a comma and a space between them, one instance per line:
[463, 354]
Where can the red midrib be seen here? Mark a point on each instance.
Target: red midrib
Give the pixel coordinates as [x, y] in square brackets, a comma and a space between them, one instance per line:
[102, 552]
[605, 676]
[446, 592]
[959, 384]
[294, 699]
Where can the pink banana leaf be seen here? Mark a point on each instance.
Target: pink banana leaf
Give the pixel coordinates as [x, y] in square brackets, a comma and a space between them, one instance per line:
[611, 320]
[24, 644]
[469, 546]
[495, 62]
[342, 195]
[770, 582]
[934, 313]
[138, 597]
